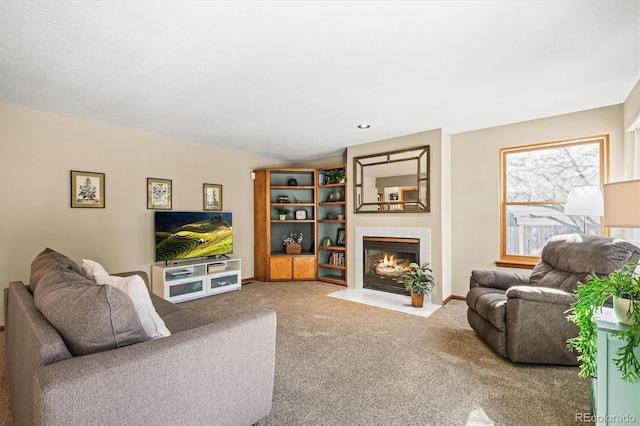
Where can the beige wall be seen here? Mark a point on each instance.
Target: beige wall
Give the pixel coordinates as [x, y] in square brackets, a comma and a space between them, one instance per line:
[632, 108]
[475, 174]
[440, 175]
[37, 152]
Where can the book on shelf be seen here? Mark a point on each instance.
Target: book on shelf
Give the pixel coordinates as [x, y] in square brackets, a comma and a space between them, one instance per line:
[336, 258]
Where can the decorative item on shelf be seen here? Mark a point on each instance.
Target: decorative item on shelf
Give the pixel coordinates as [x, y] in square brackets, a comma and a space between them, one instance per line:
[340, 217]
[341, 237]
[336, 195]
[336, 258]
[332, 216]
[282, 212]
[293, 242]
[591, 297]
[321, 179]
[292, 182]
[326, 242]
[336, 175]
[301, 214]
[419, 281]
[283, 198]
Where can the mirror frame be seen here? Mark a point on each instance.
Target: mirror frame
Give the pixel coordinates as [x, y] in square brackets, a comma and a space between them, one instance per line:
[422, 178]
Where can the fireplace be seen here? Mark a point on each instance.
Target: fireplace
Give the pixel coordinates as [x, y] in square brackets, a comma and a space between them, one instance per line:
[386, 259]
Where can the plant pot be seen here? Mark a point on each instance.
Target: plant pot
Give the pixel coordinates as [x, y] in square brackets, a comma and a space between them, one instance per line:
[282, 216]
[417, 300]
[621, 308]
[293, 248]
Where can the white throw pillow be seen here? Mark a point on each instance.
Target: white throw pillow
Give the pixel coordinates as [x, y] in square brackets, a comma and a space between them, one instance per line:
[136, 289]
[93, 270]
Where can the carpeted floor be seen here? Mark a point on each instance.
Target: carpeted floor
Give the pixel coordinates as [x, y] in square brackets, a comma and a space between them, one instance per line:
[345, 363]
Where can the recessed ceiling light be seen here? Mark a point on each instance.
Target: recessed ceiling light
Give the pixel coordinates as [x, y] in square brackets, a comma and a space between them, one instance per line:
[363, 126]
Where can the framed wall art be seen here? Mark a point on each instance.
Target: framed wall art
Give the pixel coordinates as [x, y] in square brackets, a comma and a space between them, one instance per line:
[87, 189]
[212, 197]
[159, 194]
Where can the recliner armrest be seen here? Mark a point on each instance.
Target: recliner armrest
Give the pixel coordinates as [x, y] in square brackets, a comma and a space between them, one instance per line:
[541, 294]
[496, 278]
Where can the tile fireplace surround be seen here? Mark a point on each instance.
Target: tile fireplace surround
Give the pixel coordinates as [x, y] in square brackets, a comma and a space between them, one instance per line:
[424, 234]
[382, 299]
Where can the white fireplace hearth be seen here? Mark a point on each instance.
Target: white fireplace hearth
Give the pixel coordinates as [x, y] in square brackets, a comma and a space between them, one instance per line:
[384, 299]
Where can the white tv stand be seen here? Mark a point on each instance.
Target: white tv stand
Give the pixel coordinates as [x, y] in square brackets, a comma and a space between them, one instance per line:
[192, 280]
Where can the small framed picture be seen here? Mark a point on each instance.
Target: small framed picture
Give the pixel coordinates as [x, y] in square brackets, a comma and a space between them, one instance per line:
[212, 197]
[158, 194]
[87, 189]
[340, 238]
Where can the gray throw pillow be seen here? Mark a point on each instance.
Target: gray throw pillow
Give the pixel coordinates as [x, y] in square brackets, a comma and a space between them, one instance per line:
[47, 260]
[90, 318]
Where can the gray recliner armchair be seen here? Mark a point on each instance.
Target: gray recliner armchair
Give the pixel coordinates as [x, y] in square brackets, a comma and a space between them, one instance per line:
[523, 318]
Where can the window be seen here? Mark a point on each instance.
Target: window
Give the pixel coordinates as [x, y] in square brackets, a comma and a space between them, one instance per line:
[536, 180]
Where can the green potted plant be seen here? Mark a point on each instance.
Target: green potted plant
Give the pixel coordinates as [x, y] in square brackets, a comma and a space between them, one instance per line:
[419, 281]
[282, 212]
[336, 175]
[592, 296]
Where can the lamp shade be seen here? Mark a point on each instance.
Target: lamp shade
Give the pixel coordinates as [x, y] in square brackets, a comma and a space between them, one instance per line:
[622, 204]
[584, 201]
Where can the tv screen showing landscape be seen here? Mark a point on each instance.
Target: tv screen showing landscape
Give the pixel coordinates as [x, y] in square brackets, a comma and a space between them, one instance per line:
[186, 235]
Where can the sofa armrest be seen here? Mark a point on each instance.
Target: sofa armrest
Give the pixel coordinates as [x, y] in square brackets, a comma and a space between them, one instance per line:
[497, 278]
[542, 294]
[537, 326]
[219, 373]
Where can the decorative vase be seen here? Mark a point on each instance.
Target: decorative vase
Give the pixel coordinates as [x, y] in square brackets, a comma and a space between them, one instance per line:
[417, 300]
[293, 248]
[622, 308]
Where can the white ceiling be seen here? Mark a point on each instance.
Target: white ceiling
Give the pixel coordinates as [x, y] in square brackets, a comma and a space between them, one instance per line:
[292, 80]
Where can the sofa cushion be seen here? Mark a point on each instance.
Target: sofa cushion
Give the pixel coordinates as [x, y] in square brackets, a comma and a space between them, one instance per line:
[135, 287]
[47, 260]
[490, 305]
[93, 270]
[90, 318]
[567, 259]
[163, 307]
[185, 319]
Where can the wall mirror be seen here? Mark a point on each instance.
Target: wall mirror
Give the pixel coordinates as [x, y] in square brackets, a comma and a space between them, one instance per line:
[392, 182]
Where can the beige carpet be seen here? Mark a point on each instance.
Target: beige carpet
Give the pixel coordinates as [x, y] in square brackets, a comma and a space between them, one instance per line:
[345, 363]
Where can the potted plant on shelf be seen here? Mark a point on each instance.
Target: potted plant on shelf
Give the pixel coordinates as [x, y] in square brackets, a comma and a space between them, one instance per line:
[292, 242]
[592, 296]
[282, 212]
[419, 281]
[336, 175]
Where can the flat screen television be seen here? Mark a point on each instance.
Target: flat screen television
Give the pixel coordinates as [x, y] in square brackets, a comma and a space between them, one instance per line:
[188, 235]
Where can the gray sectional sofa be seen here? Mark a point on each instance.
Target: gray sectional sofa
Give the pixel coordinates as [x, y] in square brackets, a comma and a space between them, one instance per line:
[205, 373]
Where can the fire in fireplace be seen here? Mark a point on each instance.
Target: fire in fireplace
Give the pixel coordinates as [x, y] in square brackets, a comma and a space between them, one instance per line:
[386, 259]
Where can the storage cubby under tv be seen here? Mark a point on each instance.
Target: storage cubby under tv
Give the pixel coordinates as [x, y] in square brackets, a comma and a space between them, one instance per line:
[192, 280]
